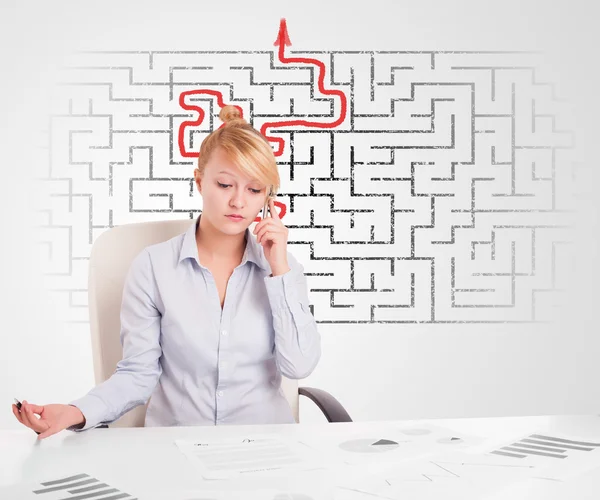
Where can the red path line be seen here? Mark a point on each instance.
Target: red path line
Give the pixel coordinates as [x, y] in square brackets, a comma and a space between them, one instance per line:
[282, 41]
[199, 120]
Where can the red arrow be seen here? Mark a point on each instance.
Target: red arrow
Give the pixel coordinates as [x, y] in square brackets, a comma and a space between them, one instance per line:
[282, 40]
[282, 36]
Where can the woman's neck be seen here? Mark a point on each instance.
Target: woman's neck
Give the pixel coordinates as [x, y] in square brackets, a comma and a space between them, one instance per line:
[215, 245]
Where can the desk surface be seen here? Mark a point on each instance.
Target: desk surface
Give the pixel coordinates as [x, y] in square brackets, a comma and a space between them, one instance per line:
[149, 456]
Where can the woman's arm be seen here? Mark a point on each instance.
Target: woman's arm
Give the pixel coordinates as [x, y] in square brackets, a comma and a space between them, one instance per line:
[297, 340]
[137, 374]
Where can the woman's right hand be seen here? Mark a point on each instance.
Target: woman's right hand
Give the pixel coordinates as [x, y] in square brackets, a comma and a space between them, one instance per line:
[52, 418]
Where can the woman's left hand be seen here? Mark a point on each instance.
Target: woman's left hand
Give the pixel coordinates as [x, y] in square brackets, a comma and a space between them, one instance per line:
[272, 234]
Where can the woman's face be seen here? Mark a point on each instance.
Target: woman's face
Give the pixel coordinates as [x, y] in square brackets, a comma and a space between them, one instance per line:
[227, 192]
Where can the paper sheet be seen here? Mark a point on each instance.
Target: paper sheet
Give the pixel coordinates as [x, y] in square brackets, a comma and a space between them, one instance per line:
[396, 444]
[451, 475]
[475, 473]
[583, 486]
[556, 456]
[246, 494]
[251, 455]
[71, 485]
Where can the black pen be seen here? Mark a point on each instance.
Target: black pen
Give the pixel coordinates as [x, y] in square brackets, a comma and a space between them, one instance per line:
[18, 405]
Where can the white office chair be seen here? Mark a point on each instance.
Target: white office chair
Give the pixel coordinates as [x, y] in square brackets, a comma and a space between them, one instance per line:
[110, 259]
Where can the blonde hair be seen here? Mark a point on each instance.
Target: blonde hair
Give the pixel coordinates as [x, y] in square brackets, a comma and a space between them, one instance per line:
[245, 146]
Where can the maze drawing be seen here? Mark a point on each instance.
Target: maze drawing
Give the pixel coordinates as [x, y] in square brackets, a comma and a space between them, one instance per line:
[419, 187]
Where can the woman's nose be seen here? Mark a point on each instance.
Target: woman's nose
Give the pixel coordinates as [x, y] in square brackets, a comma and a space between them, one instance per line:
[237, 200]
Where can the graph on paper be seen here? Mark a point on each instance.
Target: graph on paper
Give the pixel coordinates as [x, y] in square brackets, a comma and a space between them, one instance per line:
[70, 487]
[545, 446]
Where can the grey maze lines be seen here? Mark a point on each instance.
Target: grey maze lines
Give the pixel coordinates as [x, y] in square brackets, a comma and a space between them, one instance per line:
[440, 199]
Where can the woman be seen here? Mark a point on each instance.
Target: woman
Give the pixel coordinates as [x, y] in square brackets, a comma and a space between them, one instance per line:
[210, 319]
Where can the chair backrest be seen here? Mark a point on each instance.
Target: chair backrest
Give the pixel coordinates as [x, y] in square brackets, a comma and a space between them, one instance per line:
[110, 259]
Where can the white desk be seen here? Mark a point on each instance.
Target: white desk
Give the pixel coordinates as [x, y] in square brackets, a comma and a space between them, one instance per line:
[146, 460]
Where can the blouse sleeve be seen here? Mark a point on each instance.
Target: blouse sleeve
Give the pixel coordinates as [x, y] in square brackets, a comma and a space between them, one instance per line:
[297, 340]
[137, 374]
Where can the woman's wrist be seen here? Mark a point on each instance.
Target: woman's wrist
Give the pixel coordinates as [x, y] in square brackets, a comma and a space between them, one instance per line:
[276, 271]
[79, 419]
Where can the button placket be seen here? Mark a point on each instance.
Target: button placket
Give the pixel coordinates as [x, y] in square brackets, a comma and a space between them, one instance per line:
[224, 339]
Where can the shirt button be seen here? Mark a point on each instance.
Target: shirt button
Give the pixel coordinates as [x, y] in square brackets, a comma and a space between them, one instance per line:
[224, 332]
[220, 393]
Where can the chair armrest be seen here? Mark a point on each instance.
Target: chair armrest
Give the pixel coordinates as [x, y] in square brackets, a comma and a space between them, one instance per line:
[331, 407]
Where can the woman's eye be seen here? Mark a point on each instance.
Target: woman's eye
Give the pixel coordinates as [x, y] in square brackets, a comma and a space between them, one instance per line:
[255, 191]
[223, 185]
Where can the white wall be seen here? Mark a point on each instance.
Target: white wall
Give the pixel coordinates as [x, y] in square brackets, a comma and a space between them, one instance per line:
[377, 371]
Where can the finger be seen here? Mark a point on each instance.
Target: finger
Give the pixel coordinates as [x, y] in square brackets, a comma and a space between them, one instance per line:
[17, 414]
[23, 414]
[36, 408]
[273, 210]
[266, 224]
[33, 408]
[260, 230]
[267, 230]
[49, 432]
[268, 236]
[34, 422]
[27, 417]
[259, 224]
[262, 223]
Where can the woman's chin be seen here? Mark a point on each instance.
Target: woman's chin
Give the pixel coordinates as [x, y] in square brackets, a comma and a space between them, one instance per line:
[234, 227]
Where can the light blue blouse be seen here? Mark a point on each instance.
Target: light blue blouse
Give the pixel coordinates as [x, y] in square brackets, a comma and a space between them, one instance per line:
[198, 364]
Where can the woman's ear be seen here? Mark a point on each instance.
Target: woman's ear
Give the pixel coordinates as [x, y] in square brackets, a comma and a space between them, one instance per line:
[198, 180]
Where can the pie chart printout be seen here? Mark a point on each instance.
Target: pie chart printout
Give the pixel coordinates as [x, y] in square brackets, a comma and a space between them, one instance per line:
[369, 445]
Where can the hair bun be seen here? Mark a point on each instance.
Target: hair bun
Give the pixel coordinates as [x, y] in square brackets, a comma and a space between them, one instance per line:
[230, 114]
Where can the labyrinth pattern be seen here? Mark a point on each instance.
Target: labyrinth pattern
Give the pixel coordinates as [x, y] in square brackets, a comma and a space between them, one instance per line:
[419, 187]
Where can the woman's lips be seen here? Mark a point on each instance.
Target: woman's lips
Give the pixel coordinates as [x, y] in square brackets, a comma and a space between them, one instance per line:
[234, 218]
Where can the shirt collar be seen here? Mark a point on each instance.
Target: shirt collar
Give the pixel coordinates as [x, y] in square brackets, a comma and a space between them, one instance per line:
[253, 252]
